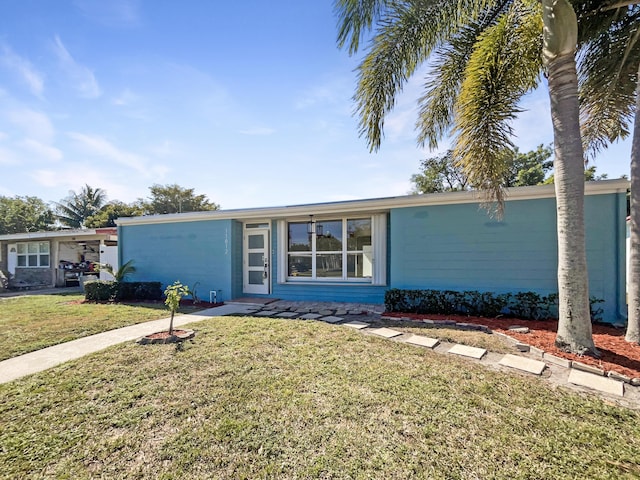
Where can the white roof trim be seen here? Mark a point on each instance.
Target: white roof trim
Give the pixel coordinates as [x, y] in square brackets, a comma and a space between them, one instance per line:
[375, 205]
[54, 234]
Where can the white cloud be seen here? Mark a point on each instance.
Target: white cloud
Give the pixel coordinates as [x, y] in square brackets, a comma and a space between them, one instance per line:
[258, 131]
[334, 91]
[126, 98]
[7, 157]
[42, 150]
[36, 125]
[23, 68]
[112, 12]
[97, 146]
[84, 80]
[533, 125]
[100, 147]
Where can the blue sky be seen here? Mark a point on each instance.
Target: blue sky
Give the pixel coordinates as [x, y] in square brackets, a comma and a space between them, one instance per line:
[247, 102]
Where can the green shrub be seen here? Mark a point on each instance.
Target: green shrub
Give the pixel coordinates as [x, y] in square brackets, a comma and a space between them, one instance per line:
[523, 305]
[100, 291]
[140, 291]
[109, 291]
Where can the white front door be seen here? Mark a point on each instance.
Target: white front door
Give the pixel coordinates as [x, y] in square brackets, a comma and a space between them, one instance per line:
[257, 265]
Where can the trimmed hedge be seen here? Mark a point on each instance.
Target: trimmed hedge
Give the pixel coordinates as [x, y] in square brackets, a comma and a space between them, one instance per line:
[109, 291]
[524, 305]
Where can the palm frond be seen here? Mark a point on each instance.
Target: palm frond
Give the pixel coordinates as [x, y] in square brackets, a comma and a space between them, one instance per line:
[406, 36]
[608, 70]
[445, 77]
[505, 64]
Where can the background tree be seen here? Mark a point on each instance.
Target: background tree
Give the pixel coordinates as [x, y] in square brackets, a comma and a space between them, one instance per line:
[439, 174]
[74, 210]
[443, 174]
[175, 199]
[24, 214]
[108, 213]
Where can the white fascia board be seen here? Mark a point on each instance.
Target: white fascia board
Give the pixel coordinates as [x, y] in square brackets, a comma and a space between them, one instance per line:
[52, 234]
[370, 206]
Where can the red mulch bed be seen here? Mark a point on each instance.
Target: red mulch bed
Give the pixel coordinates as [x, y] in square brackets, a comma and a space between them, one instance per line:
[616, 353]
[164, 335]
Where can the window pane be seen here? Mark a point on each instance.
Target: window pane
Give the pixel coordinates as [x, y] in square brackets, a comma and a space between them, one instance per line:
[32, 247]
[358, 233]
[256, 278]
[33, 260]
[22, 248]
[329, 236]
[359, 265]
[44, 260]
[300, 266]
[22, 261]
[256, 260]
[256, 241]
[329, 265]
[299, 239]
[44, 247]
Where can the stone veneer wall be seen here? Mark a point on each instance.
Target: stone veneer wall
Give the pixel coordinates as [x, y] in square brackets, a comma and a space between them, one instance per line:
[32, 276]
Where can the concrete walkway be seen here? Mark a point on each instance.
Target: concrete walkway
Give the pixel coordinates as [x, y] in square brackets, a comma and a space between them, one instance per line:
[46, 358]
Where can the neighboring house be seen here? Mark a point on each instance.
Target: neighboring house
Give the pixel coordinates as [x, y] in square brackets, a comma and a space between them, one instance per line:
[356, 250]
[55, 258]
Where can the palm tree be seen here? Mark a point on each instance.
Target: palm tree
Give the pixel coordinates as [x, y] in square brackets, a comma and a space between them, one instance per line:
[74, 210]
[610, 89]
[490, 54]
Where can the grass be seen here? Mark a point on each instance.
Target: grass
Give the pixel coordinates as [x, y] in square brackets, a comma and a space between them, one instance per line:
[266, 398]
[33, 322]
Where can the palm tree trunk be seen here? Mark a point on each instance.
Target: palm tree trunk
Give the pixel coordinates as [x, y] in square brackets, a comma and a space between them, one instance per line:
[633, 283]
[574, 322]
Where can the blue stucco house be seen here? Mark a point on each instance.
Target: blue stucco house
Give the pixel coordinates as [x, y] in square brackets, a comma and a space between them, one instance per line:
[356, 250]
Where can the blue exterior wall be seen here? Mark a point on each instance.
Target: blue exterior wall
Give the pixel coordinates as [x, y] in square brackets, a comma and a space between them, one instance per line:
[187, 251]
[454, 247]
[459, 247]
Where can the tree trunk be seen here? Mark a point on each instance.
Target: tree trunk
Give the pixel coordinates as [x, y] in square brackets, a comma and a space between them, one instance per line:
[633, 283]
[171, 323]
[574, 322]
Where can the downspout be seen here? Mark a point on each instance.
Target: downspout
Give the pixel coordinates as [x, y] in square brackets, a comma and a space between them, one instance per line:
[120, 237]
[621, 257]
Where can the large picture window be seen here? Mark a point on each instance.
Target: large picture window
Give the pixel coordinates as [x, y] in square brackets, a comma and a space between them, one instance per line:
[33, 254]
[337, 249]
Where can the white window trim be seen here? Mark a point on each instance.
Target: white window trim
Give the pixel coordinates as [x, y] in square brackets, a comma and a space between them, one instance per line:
[26, 255]
[378, 240]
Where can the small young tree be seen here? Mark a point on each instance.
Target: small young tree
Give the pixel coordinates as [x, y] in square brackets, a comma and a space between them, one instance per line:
[174, 294]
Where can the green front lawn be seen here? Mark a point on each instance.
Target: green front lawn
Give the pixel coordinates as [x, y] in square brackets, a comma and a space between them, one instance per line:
[265, 398]
[33, 322]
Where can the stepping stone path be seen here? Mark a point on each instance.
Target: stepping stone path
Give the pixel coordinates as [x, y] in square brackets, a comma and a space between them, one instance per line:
[332, 319]
[423, 341]
[597, 382]
[386, 332]
[523, 363]
[467, 351]
[356, 324]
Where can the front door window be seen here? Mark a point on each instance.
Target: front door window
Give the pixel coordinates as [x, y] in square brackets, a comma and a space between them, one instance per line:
[256, 261]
